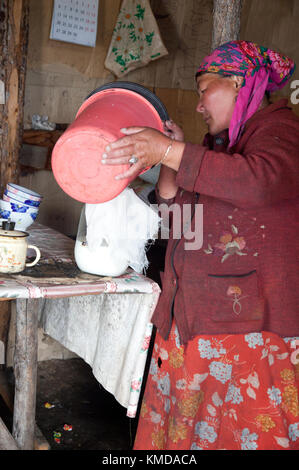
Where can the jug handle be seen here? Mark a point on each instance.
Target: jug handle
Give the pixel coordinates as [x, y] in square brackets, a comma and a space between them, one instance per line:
[28, 265]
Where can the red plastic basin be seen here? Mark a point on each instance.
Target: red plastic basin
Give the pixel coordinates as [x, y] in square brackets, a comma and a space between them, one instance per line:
[77, 155]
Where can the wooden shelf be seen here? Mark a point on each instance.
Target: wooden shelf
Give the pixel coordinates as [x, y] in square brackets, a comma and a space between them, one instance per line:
[41, 138]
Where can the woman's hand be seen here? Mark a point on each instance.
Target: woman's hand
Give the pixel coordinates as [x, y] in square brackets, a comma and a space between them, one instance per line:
[147, 145]
[172, 130]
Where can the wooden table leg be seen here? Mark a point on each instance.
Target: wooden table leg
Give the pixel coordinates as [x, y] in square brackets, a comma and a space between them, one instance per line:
[7, 442]
[25, 371]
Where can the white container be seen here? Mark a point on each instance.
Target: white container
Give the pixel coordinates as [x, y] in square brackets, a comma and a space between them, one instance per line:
[103, 261]
[13, 251]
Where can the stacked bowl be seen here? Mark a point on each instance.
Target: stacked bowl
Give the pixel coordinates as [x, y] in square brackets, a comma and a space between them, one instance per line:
[19, 205]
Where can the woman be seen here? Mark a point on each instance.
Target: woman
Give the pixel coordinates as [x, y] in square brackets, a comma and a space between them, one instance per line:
[223, 372]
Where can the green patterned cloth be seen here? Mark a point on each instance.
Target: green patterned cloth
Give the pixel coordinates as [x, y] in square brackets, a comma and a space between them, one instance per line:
[136, 39]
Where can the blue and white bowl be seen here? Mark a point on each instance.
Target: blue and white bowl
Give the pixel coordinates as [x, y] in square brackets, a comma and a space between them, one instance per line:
[12, 197]
[22, 220]
[24, 192]
[17, 207]
[22, 215]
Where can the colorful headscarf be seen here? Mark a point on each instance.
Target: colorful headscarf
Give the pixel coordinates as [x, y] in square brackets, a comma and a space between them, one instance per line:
[263, 70]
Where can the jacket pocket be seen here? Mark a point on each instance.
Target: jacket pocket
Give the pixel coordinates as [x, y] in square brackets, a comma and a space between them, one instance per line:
[235, 297]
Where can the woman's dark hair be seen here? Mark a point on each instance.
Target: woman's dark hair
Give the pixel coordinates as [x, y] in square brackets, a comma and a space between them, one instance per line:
[268, 95]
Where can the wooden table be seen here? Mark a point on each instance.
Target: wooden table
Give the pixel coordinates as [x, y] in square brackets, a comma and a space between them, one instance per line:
[55, 276]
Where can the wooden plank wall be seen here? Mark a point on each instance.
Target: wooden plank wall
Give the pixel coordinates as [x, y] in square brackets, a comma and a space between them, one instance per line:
[60, 75]
[13, 52]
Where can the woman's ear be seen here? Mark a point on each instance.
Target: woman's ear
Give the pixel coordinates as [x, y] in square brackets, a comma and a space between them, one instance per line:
[238, 81]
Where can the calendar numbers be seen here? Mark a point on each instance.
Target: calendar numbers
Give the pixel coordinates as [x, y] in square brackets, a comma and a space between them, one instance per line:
[75, 21]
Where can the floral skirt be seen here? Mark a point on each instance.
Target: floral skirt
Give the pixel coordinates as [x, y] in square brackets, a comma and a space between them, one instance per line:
[233, 392]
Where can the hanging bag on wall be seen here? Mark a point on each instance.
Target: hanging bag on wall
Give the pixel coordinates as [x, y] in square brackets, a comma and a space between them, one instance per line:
[136, 39]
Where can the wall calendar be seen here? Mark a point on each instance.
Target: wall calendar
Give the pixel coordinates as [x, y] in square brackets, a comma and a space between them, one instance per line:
[75, 21]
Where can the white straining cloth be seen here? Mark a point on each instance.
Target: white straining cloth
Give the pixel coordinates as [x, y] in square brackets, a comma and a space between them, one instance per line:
[124, 225]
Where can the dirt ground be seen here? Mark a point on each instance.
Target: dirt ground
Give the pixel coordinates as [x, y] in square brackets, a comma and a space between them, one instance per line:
[68, 394]
[98, 421]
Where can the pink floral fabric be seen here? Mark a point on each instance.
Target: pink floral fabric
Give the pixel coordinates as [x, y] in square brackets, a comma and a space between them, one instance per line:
[221, 392]
[262, 69]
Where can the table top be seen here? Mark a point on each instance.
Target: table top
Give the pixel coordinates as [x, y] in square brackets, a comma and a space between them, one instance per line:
[57, 275]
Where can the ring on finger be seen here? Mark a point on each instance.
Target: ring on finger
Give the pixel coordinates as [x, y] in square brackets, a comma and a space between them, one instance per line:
[133, 159]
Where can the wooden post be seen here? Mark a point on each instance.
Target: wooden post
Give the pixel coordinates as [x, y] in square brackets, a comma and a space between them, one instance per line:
[14, 26]
[7, 442]
[226, 21]
[25, 370]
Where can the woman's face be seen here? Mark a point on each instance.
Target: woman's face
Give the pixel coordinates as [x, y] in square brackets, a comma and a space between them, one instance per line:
[217, 99]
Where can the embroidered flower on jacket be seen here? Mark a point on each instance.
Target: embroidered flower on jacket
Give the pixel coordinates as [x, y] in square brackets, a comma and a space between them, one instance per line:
[229, 244]
[235, 292]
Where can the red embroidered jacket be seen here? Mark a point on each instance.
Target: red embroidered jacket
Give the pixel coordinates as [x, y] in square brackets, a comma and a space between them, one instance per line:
[245, 276]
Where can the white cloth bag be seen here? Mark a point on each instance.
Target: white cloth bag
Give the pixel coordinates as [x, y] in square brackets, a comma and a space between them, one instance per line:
[136, 38]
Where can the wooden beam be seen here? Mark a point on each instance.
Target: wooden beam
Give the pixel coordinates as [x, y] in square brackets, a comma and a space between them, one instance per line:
[7, 442]
[4, 320]
[42, 139]
[14, 26]
[25, 371]
[7, 393]
[226, 21]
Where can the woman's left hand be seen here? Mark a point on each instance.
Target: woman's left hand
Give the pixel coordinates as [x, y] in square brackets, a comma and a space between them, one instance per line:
[147, 145]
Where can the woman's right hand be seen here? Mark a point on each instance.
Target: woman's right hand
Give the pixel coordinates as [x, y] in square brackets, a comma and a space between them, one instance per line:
[172, 130]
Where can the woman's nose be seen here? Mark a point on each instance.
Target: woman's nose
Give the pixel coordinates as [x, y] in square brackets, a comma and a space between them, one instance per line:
[199, 107]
